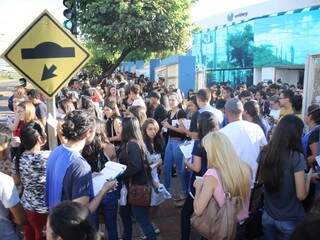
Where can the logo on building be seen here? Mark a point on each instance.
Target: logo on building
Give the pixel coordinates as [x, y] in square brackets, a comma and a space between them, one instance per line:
[230, 17]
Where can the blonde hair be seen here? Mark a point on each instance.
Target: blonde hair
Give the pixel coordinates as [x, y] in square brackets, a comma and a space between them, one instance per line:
[30, 111]
[234, 173]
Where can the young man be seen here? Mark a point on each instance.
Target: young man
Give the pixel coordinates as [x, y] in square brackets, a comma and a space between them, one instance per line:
[9, 204]
[203, 100]
[227, 93]
[135, 95]
[275, 108]
[68, 174]
[247, 138]
[286, 100]
[41, 108]
[155, 109]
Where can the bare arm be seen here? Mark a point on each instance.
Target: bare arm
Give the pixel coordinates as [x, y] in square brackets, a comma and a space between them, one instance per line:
[204, 192]
[196, 165]
[302, 185]
[18, 214]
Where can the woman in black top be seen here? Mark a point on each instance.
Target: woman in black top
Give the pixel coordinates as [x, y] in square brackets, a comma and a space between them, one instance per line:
[97, 154]
[113, 122]
[133, 154]
[173, 153]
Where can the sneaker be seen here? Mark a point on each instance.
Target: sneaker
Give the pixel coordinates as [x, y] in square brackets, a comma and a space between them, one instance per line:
[156, 229]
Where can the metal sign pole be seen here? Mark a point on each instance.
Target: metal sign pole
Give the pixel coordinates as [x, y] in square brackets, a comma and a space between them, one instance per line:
[52, 131]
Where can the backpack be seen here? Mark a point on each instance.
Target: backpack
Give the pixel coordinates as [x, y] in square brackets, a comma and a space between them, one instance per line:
[218, 223]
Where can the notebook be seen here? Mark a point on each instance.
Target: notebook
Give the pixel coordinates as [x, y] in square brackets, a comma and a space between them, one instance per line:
[110, 172]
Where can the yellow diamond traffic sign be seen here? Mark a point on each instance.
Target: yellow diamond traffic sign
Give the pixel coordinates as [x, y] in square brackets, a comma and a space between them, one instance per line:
[46, 54]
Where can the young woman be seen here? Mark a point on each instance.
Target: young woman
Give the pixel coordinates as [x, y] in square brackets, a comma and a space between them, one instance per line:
[155, 146]
[311, 138]
[68, 221]
[173, 154]
[133, 154]
[264, 104]
[207, 122]
[252, 114]
[114, 95]
[138, 112]
[282, 171]
[226, 173]
[5, 159]
[97, 154]
[32, 174]
[113, 122]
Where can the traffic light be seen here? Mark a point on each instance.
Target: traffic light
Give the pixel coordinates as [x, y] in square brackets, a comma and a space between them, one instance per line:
[71, 15]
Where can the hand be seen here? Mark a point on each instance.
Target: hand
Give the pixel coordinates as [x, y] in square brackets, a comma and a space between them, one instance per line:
[165, 124]
[315, 177]
[109, 186]
[15, 141]
[198, 184]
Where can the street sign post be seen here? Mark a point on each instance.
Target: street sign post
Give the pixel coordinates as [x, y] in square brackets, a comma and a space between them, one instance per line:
[48, 56]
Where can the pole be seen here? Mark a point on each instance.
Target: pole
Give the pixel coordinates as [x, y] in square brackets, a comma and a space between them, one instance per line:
[52, 131]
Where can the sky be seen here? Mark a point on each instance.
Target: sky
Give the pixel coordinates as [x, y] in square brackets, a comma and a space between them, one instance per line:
[16, 15]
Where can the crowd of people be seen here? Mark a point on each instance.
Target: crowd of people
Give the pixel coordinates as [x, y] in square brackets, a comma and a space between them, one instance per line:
[252, 154]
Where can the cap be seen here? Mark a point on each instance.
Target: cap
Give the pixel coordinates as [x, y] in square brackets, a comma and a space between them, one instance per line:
[234, 106]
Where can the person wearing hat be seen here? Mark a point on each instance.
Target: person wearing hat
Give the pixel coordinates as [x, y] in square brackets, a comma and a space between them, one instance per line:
[247, 138]
[19, 94]
[156, 110]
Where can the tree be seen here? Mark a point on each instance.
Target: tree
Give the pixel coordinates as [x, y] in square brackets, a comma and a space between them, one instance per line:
[113, 29]
[240, 48]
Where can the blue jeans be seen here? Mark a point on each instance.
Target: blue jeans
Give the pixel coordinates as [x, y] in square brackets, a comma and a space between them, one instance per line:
[110, 211]
[141, 214]
[173, 155]
[277, 230]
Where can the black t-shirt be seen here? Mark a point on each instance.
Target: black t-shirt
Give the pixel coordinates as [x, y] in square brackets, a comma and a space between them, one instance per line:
[194, 122]
[199, 151]
[181, 114]
[158, 114]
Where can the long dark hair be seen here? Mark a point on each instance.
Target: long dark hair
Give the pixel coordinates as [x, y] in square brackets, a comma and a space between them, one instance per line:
[131, 131]
[285, 140]
[157, 142]
[252, 108]
[207, 122]
[29, 138]
[69, 220]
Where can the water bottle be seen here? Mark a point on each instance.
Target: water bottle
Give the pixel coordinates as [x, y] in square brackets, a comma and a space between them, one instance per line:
[123, 196]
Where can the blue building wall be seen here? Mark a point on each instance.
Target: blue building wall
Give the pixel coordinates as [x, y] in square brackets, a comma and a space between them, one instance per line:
[152, 67]
[186, 68]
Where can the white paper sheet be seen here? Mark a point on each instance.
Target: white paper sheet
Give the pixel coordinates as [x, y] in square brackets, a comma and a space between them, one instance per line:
[186, 123]
[110, 171]
[186, 148]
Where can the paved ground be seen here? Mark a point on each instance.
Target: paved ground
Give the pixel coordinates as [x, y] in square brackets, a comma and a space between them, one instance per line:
[167, 217]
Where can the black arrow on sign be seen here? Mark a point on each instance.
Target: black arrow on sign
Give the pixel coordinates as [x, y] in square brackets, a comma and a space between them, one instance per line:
[48, 73]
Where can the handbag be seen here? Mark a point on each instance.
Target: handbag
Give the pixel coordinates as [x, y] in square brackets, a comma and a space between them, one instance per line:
[253, 224]
[139, 195]
[218, 223]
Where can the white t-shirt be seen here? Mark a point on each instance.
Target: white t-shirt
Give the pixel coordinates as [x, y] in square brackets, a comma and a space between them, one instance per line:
[275, 114]
[8, 198]
[247, 139]
[139, 102]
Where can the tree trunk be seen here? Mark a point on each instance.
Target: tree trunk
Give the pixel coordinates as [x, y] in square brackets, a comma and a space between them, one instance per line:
[113, 66]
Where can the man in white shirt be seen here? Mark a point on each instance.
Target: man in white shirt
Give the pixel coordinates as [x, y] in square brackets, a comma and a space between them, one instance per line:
[135, 95]
[247, 138]
[9, 203]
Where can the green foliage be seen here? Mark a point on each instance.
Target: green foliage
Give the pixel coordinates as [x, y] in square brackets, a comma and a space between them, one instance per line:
[264, 56]
[240, 48]
[113, 29]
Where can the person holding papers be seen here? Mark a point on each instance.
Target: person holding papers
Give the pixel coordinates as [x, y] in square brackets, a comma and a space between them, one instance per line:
[133, 154]
[98, 153]
[207, 122]
[68, 174]
[173, 154]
